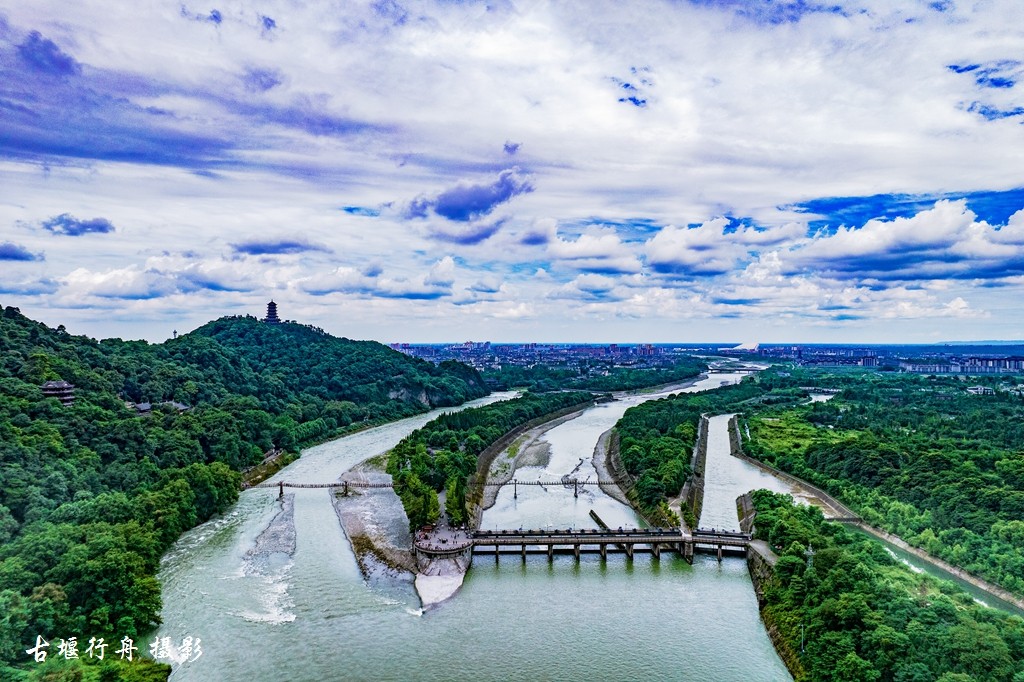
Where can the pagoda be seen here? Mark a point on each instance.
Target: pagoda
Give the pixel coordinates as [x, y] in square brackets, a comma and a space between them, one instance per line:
[61, 390]
[272, 317]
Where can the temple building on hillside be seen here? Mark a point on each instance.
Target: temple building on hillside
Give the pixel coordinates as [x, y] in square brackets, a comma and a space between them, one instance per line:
[272, 317]
[61, 390]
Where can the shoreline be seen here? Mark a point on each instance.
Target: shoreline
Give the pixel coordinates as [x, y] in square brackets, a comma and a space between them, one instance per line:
[530, 450]
[375, 523]
[606, 468]
[829, 504]
[605, 458]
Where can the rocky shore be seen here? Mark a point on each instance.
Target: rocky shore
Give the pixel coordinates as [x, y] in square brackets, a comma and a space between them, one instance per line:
[279, 536]
[609, 467]
[376, 525]
[527, 450]
[378, 529]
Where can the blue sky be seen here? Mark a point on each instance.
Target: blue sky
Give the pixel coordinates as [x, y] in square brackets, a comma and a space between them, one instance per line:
[687, 170]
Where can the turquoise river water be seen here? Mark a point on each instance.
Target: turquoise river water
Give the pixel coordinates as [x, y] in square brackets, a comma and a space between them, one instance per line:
[311, 616]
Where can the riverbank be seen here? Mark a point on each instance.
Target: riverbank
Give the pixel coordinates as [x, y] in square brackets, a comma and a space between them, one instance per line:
[609, 467]
[377, 527]
[606, 458]
[375, 523]
[672, 386]
[526, 450]
[834, 509]
[961, 574]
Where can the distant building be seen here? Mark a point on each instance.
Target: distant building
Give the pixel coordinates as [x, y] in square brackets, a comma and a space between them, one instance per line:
[272, 317]
[61, 390]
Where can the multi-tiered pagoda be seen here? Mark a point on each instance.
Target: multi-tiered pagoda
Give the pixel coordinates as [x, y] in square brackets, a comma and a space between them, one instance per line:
[272, 317]
[61, 390]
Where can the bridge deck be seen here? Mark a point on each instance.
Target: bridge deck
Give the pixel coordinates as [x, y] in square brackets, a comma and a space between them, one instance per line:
[441, 543]
[604, 540]
[489, 484]
[580, 537]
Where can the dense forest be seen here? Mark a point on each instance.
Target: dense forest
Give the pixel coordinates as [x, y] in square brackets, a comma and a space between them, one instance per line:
[918, 456]
[852, 613]
[656, 438]
[93, 493]
[443, 454]
[597, 376]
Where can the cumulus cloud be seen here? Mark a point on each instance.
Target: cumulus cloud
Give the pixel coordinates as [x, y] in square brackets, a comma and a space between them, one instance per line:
[27, 287]
[466, 233]
[168, 275]
[468, 201]
[486, 285]
[598, 251]
[12, 251]
[435, 284]
[42, 55]
[442, 273]
[944, 242]
[589, 287]
[277, 247]
[132, 282]
[320, 119]
[712, 248]
[540, 233]
[68, 225]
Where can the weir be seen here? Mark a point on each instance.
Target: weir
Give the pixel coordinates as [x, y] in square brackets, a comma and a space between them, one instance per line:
[581, 541]
[712, 612]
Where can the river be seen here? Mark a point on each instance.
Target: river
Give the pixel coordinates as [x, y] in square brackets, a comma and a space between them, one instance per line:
[311, 616]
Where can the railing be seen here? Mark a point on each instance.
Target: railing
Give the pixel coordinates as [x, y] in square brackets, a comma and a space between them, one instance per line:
[489, 484]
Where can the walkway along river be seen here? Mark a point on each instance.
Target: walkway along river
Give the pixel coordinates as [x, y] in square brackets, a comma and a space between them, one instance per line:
[274, 592]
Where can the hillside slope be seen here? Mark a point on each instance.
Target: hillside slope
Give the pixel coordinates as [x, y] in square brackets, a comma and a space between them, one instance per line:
[92, 493]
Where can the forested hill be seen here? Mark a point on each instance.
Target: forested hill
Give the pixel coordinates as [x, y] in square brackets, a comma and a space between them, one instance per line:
[311, 382]
[287, 362]
[92, 493]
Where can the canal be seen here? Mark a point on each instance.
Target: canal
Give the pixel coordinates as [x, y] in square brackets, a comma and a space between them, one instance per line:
[311, 616]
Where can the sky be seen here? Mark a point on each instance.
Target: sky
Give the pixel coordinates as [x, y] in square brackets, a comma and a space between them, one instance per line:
[425, 171]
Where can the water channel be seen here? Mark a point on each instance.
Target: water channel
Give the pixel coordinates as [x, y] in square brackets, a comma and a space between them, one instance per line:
[311, 616]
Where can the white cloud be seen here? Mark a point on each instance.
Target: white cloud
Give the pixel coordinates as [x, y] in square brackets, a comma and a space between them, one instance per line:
[598, 251]
[442, 273]
[946, 241]
[198, 137]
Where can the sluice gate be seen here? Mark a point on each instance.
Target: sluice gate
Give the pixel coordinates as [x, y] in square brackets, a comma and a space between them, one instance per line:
[602, 541]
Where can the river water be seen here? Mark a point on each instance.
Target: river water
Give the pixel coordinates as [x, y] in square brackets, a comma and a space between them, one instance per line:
[311, 616]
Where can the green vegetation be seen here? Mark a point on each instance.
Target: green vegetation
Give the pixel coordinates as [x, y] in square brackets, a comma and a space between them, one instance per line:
[594, 376]
[917, 456]
[862, 616]
[92, 494]
[443, 454]
[656, 438]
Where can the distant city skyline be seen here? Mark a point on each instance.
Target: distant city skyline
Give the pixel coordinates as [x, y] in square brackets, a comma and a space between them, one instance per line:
[427, 171]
